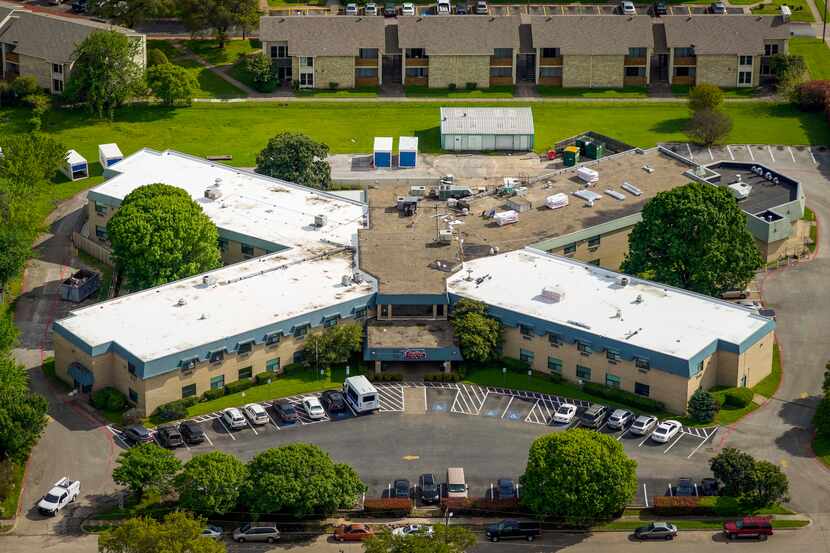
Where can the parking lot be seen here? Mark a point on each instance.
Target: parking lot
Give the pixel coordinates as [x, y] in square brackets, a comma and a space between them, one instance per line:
[778, 156]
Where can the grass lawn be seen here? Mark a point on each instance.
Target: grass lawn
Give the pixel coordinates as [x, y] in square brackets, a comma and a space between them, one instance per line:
[801, 11]
[426, 92]
[821, 447]
[368, 92]
[625, 92]
[290, 384]
[8, 504]
[816, 55]
[683, 90]
[768, 386]
[209, 50]
[242, 130]
[238, 72]
[210, 84]
[820, 7]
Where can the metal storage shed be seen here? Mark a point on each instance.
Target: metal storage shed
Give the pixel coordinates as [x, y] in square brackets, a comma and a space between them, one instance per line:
[75, 166]
[407, 151]
[382, 152]
[109, 154]
[487, 129]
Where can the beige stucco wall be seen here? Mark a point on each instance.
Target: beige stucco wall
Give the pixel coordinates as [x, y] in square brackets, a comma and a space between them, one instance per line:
[337, 69]
[459, 70]
[611, 250]
[592, 71]
[721, 71]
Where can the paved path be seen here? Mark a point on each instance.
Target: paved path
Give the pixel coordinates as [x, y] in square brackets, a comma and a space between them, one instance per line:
[216, 70]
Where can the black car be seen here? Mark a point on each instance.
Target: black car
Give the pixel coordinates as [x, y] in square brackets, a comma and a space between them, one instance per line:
[513, 529]
[400, 488]
[709, 486]
[390, 10]
[660, 8]
[685, 487]
[505, 489]
[192, 432]
[285, 411]
[137, 434]
[170, 437]
[428, 489]
[460, 9]
[333, 400]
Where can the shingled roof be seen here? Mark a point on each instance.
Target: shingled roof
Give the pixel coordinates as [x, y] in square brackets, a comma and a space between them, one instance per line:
[324, 35]
[48, 36]
[468, 35]
[592, 34]
[728, 34]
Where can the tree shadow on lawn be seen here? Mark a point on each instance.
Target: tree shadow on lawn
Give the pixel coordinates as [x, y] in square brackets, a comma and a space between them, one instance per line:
[670, 126]
[429, 140]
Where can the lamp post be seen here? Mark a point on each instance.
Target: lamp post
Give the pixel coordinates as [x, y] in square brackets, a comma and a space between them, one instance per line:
[447, 524]
[504, 376]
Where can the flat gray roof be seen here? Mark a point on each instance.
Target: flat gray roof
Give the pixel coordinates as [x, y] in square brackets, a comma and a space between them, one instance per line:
[486, 121]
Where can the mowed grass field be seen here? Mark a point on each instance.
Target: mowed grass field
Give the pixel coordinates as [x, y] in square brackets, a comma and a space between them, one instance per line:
[242, 130]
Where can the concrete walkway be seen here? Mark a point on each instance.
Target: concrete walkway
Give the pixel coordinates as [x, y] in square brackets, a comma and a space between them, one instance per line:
[215, 70]
[437, 100]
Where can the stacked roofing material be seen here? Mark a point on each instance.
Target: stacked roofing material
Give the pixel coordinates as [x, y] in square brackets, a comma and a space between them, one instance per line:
[557, 201]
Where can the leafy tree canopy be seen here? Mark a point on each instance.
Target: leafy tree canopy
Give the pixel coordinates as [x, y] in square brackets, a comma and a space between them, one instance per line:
[146, 467]
[770, 484]
[705, 96]
[709, 126]
[703, 406]
[133, 12]
[171, 84]
[296, 158]
[30, 160]
[693, 237]
[478, 334]
[334, 344]
[210, 483]
[22, 413]
[219, 16]
[179, 532]
[735, 470]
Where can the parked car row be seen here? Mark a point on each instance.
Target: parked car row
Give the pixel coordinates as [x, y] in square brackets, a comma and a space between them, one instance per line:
[443, 7]
[746, 527]
[596, 415]
[686, 487]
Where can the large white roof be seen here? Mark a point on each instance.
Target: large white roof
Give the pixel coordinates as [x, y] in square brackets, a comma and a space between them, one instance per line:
[666, 320]
[251, 205]
[239, 298]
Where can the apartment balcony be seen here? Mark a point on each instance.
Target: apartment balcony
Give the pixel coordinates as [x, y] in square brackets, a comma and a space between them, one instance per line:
[555, 62]
[634, 81]
[365, 62]
[417, 62]
[550, 81]
[692, 60]
[360, 82]
[416, 81]
[501, 81]
[631, 60]
[683, 80]
[501, 62]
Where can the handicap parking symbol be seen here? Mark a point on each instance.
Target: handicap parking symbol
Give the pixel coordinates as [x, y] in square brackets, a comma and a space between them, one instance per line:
[491, 413]
[513, 415]
[439, 406]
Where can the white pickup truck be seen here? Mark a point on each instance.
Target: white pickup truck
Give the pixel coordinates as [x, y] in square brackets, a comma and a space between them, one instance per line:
[64, 492]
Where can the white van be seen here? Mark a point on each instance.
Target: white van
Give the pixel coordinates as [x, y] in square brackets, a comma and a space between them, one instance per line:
[456, 483]
[360, 394]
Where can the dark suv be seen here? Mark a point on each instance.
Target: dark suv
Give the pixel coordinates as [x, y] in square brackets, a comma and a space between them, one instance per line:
[137, 434]
[333, 400]
[428, 489]
[285, 411]
[170, 437]
[594, 416]
[192, 432]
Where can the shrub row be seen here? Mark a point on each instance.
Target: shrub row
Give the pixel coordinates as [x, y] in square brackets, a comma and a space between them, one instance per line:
[385, 377]
[621, 396]
[108, 399]
[813, 95]
[737, 398]
[680, 506]
[390, 506]
[514, 365]
[175, 409]
[482, 505]
[239, 386]
[442, 377]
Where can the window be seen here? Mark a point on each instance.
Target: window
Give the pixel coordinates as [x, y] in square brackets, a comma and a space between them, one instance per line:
[594, 262]
[526, 331]
[583, 373]
[299, 356]
[188, 391]
[642, 363]
[300, 331]
[279, 51]
[700, 366]
[635, 71]
[217, 356]
[613, 356]
[744, 77]
[245, 348]
[273, 339]
[368, 53]
[360, 313]
[131, 368]
[416, 71]
[503, 53]
[247, 250]
[100, 232]
[223, 245]
[307, 79]
[555, 364]
[133, 395]
[593, 242]
[554, 339]
[100, 209]
[526, 356]
[245, 372]
[570, 249]
[642, 389]
[684, 52]
[217, 382]
[770, 49]
[636, 52]
[57, 85]
[366, 72]
[612, 381]
[57, 69]
[745, 60]
[584, 348]
[273, 365]
[329, 322]
[501, 71]
[189, 364]
[551, 52]
[550, 71]
[306, 61]
[684, 71]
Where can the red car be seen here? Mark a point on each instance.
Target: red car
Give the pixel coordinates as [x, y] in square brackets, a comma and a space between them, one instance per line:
[353, 532]
[748, 527]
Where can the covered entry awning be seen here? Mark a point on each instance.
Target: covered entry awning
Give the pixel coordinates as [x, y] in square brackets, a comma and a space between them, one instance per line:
[81, 374]
[410, 341]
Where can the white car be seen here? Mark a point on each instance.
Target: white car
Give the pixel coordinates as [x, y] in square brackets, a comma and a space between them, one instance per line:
[408, 529]
[620, 418]
[313, 408]
[256, 413]
[351, 9]
[565, 414]
[63, 492]
[627, 8]
[751, 304]
[481, 8]
[212, 532]
[233, 418]
[642, 425]
[371, 9]
[408, 8]
[665, 431]
[444, 7]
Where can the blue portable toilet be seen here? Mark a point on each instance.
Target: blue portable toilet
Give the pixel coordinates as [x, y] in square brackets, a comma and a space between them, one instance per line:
[382, 155]
[407, 151]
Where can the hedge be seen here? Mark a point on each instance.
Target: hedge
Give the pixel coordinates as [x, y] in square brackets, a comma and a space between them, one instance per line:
[680, 506]
[399, 506]
[385, 377]
[737, 398]
[238, 386]
[108, 399]
[213, 394]
[514, 365]
[442, 377]
[263, 378]
[813, 95]
[482, 505]
[175, 409]
[621, 396]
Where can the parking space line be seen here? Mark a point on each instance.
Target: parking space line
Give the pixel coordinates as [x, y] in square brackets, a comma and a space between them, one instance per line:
[208, 439]
[426, 403]
[645, 494]
[624, 432]
[690, 151]
[732, 156]
[226, 429]
[712, 157]
[706, 439]
[506, 408]
[769, 149]
[750, 152]
[810, 150]
[251, 426]
[673, 443]
[270, 418]
[403, 399]
[644, 440]
[602, 426]
[791, 154]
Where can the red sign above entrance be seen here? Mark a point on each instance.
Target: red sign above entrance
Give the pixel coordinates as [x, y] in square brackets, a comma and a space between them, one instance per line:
[414, 355]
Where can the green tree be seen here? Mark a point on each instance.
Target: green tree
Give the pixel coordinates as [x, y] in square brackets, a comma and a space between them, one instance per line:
[8, 330]
[790, 71]
[478, 334]
[735, 469]
[29, 161]
[15, 249]
[159, 234]
[694, 237]
[705, 96]
[770, 484]
[218, 16]
[156, 56]
[825, 385]
[703, 406]
[179, 532]
[258, 66]
[821, 418]
[445, 539]
[296, 158]
[333, 345]
[210, 483]
[105, 72]
[171, 83]
[580, 476]
[146, 467]
[22, 413]
[709, 126]
[299, 479]
[133, 12]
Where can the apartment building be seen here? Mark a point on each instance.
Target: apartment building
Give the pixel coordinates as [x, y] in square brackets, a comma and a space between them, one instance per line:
[730, 52]
[42, 45]
[605, 51]
[325, 51]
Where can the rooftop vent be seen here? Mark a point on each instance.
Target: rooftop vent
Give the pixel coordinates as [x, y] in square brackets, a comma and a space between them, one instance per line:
[320, 221]
[346, 280]
[208, 280]
[623, 281]
[553, 293]
[181, 302]
[213, 193]
[639, 298]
